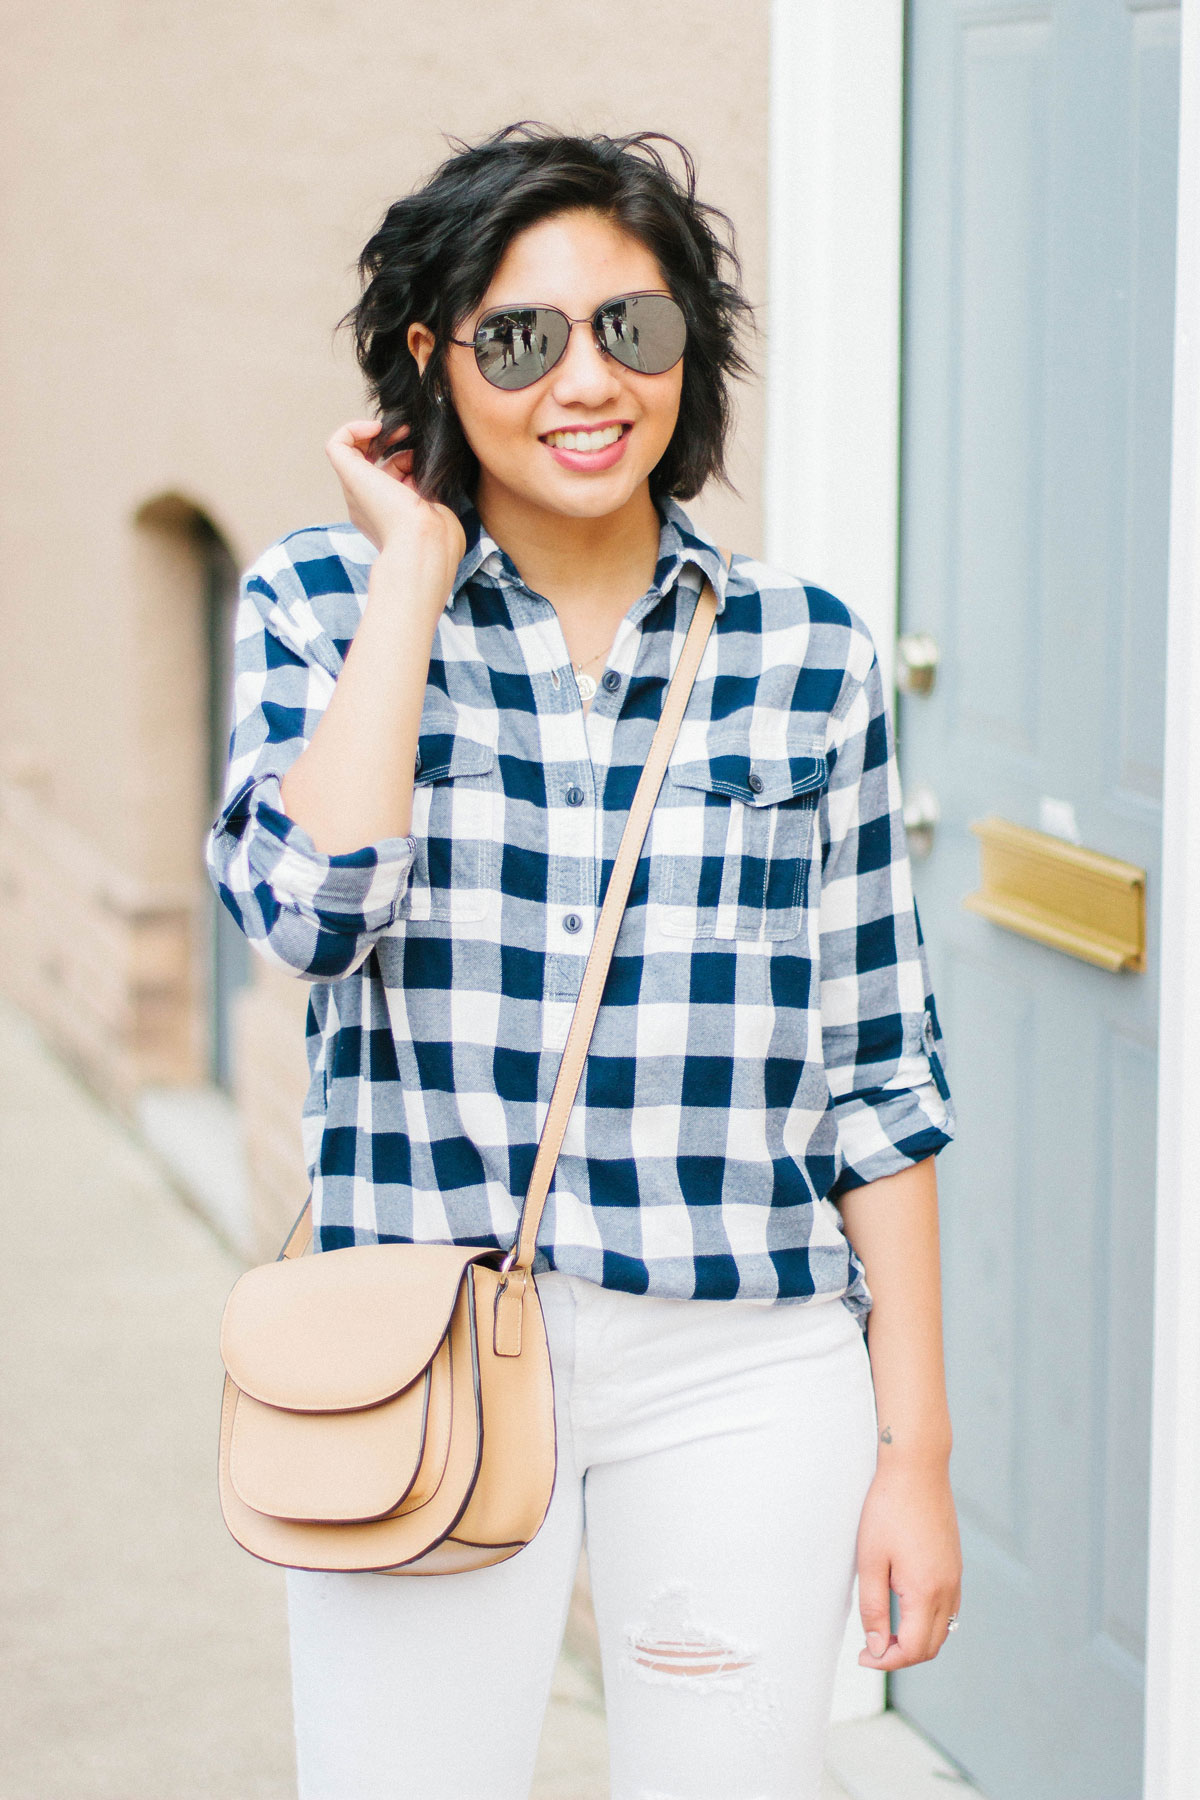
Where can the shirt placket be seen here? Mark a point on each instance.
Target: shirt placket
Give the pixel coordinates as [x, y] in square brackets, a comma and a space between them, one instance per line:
[576, 748]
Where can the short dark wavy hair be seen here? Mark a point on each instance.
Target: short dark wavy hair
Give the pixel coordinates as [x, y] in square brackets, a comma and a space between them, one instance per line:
[436, 251]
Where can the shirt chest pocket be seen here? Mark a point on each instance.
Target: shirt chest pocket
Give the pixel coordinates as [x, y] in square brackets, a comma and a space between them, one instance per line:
[733, 837]
[456, 822]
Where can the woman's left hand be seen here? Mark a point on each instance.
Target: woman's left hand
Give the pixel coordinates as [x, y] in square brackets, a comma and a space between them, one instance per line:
[907, 1544]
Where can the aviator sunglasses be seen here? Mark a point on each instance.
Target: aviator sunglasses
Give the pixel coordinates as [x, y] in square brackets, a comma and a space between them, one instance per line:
[516, 345]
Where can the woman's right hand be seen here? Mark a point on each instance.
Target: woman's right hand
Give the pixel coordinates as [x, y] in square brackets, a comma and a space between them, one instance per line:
[385, 506]
[353, 783]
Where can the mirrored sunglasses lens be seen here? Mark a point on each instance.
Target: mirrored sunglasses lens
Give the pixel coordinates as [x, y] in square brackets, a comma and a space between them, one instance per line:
[646, 332]
[516, 348]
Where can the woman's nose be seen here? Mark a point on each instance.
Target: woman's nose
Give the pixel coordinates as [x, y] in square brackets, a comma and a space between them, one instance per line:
[585, 374]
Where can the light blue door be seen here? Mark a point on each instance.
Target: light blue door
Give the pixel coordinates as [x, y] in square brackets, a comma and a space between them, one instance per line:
[1040, 206]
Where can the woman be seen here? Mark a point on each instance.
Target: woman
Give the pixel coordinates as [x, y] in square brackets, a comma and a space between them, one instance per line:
[442, 711]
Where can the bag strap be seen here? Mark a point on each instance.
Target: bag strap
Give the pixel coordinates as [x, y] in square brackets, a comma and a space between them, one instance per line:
[587, 1006]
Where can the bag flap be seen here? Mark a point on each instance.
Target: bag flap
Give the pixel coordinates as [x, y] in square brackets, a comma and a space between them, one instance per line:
[342, 1329]
[328, 1467]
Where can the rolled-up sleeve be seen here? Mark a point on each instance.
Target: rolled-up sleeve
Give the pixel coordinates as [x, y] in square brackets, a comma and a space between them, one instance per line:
[883, 1049]
[314, 915]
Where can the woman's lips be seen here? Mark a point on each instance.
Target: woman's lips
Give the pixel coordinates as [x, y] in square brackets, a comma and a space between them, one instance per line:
[588, 461]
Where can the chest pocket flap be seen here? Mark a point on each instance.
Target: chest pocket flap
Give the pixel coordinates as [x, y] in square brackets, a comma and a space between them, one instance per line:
[444, 754]
[733, 768]
[736, 837]
[456, 821]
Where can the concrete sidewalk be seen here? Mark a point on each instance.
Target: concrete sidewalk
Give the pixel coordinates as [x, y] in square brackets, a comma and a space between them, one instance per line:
[145, 1653]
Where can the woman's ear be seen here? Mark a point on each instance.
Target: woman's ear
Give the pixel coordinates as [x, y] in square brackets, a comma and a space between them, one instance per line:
[420, 344]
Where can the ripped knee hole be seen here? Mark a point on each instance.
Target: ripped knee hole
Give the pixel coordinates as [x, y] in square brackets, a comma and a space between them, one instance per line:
[671, 1645]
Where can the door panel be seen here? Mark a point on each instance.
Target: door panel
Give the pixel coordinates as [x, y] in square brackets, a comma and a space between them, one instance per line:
[984, 1303]
[1142, 664]
[1039, 242]
[1125, 1254]
[1001, 276]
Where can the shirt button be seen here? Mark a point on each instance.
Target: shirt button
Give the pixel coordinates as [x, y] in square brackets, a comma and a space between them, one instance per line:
[611, 681]
[755, 781]
[927, 1032]
[574, 796]
[417, 763]
[572, 922]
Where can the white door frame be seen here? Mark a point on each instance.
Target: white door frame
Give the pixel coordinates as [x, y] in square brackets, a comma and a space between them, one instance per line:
[833, 352]
[832, 513]
[833, 301]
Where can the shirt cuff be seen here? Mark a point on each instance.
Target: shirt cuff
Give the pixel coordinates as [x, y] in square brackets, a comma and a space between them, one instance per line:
[908, 1117]
[355, 891]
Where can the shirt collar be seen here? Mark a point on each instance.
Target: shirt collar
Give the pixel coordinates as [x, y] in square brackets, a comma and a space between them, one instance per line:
[680, 545]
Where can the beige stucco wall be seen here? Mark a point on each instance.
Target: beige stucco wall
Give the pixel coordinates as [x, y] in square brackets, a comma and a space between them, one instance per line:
[187, 188]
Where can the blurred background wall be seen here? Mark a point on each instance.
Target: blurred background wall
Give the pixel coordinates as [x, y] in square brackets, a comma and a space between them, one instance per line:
[188, 187]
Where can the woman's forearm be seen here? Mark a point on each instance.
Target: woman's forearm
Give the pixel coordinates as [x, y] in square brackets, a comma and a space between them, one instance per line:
[908, 1534]
[893, 1226]
[353, 785]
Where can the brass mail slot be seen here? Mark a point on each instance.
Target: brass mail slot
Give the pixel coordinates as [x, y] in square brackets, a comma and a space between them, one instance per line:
[1076, 900]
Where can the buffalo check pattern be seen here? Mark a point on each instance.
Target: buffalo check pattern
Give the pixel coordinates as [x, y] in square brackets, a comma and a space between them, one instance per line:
[767, 1037]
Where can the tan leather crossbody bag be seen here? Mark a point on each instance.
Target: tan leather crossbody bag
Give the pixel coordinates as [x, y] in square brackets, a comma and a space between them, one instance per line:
[390, 1406]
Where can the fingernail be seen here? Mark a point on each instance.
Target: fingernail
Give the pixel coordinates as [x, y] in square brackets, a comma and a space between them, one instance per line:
[876, 1643]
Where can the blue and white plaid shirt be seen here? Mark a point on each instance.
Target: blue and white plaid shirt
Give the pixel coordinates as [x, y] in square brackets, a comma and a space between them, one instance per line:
[767, 1037]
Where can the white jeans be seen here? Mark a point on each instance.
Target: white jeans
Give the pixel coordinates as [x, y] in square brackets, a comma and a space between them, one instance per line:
[721, 1451]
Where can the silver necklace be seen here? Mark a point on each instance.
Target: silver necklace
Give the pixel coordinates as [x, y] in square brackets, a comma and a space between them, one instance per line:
[585, 683]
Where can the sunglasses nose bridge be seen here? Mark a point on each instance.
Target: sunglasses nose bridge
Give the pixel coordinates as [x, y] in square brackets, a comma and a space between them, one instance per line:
[568, 365]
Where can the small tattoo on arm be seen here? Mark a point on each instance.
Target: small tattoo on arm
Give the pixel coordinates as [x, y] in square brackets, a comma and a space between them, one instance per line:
[885, 1436]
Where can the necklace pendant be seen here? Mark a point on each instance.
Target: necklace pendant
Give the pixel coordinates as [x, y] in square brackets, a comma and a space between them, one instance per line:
[585, 684]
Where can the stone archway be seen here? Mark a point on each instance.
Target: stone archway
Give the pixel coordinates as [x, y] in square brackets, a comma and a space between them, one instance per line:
[185, 593]
[225, 1115]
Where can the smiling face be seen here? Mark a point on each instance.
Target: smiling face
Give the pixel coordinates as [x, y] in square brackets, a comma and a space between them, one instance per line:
[581, 442]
